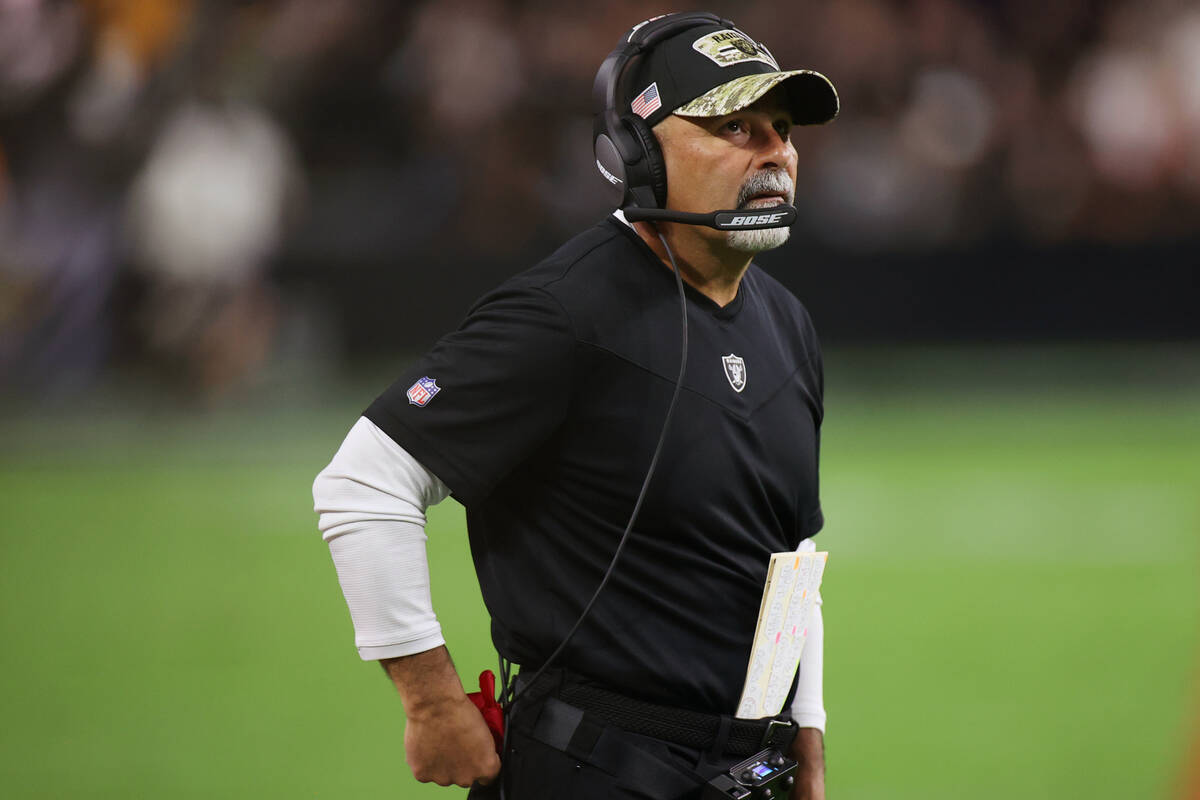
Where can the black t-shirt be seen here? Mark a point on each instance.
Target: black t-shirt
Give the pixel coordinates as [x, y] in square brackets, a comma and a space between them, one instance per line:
[541, 413]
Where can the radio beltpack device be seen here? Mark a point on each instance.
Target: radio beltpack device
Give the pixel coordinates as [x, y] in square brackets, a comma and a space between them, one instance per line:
[765, 775]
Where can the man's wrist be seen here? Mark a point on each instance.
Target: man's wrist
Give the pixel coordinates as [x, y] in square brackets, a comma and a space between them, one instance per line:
[808, 749]
[427, 682]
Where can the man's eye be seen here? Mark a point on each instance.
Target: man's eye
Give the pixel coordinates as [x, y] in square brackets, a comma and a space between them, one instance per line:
[735, 126]
[783, 127]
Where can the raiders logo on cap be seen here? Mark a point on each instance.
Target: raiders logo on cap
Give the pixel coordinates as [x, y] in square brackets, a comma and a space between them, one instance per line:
[727, 48]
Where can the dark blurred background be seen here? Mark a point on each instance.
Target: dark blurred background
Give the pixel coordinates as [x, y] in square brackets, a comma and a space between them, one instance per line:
[195, 189]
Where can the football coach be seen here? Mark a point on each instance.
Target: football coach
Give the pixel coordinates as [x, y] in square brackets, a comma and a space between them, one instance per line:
[633, 426]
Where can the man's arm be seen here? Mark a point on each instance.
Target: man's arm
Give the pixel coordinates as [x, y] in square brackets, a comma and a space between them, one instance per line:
[808, 710]
[809, 751]
[446, 740]
[808, 707]
[372, 499]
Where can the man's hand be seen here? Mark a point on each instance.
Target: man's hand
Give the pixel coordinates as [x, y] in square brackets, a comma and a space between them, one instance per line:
[446, 740]
[451, 744]
[809, 751]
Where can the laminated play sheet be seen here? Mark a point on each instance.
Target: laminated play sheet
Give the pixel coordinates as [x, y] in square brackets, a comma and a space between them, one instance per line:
[788, 596]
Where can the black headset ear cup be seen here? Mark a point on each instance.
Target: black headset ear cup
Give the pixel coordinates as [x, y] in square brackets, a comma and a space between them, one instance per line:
[652, 171]
[612, 167]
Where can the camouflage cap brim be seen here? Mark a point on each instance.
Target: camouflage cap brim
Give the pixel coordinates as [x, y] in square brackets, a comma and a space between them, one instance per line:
[817, 103]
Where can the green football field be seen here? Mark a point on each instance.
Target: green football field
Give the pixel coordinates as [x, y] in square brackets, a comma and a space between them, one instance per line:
[1012, 599]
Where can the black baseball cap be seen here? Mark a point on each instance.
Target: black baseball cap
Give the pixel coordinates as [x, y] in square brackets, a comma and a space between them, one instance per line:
[715, 69]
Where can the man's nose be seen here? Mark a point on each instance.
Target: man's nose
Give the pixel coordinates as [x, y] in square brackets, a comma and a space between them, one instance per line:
[775, 151]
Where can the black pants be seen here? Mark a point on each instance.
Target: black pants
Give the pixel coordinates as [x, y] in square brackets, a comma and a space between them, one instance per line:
[555, 751]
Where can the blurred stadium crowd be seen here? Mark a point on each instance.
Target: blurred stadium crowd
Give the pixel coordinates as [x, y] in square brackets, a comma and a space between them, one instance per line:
[187, 184]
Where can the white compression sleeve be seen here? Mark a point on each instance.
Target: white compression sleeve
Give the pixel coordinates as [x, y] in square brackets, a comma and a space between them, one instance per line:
[372, 499]
[808, 706]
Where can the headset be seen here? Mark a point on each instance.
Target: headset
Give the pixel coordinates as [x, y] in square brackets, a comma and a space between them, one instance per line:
[627, 152]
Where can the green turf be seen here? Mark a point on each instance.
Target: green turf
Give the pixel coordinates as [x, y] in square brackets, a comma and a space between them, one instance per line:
[1012, 600]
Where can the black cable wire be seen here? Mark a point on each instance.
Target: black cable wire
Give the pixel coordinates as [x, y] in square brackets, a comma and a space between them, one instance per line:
[637, 507]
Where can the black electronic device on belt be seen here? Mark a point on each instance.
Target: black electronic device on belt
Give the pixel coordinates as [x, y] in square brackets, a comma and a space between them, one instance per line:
[765, 775]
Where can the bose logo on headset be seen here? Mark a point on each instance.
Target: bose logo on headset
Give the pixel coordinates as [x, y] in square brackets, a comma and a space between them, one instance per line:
[757, 219]
[613, 179]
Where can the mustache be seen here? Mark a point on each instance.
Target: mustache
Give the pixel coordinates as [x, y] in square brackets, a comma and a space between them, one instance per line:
[771, 180]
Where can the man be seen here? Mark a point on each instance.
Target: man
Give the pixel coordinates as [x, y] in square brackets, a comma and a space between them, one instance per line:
[542, 415]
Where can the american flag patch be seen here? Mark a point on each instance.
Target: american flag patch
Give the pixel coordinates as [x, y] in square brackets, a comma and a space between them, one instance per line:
[647, 102]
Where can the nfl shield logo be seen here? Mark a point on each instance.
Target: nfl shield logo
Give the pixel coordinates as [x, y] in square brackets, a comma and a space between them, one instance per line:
[735, 371]
[421, 392]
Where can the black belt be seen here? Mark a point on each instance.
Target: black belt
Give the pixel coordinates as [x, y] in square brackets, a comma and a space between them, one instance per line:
[694, 729]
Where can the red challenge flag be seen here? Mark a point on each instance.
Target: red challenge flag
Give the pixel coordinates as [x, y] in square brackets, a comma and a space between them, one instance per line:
[485, 701]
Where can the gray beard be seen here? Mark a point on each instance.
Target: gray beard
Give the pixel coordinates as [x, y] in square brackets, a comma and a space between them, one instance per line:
[757, 241]
[766, 238]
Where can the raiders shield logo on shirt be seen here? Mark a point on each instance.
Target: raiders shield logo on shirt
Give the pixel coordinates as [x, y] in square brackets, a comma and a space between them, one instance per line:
[735, 371]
